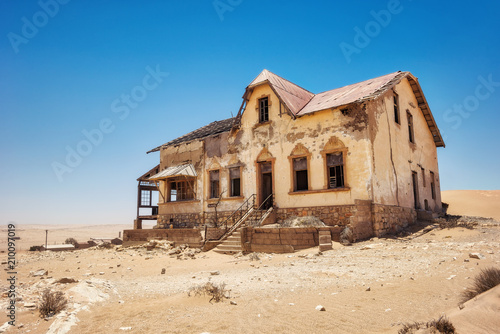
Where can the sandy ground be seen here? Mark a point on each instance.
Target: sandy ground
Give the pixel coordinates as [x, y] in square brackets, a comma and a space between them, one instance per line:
[370, 287]
[482, 203]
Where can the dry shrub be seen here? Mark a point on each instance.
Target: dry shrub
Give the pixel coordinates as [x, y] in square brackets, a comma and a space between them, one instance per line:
[456, 221]
[105, 245]
[217, 292]
[487, 279]
[442, 325]
[36, 248]
[71, 241]
[254, 257]
[52, 303]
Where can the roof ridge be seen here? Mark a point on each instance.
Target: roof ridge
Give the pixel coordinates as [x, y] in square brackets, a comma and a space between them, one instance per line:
[356, 83]
[289, 82]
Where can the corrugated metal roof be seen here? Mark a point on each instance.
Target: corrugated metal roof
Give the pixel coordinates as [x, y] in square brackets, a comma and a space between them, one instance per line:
[293, 96]
[185, 170]
[357, 92]
[205, 131]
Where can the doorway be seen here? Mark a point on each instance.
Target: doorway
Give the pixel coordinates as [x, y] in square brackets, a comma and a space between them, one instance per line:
[266, 186]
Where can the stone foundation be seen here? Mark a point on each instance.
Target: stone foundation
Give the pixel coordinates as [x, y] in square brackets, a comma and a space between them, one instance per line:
[191, 237]
[330, 215]
[391, 219]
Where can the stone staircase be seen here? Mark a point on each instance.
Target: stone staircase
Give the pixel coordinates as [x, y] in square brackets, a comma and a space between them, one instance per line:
[231, 245]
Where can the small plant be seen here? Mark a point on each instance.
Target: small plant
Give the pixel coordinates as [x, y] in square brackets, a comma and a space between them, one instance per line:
[52, 303]
[36, 248]
[487, 279]
[442, 325]
[217, 292]
[254, 257]
[71, 241]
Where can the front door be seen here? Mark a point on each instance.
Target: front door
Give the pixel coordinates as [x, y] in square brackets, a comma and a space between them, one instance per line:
[266, 185]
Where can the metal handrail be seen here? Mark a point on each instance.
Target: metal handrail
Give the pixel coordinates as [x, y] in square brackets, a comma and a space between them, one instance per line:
[240, 212]
[258, 214]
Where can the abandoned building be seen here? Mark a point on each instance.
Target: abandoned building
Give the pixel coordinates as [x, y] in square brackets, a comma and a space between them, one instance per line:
[363, 156]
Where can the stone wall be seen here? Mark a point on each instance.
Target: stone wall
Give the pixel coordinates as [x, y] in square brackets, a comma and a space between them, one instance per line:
[391, 218]
[191, 220]
[283, 240]
[330, 215]
[179, 236]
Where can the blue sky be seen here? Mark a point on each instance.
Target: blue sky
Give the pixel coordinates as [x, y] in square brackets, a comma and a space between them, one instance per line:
[132, 75]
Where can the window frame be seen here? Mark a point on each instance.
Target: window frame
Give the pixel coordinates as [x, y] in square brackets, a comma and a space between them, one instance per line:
[260, 110]
[189, 194]
[293, 174]
[397, 113]
[411, 133]
[230, 182]
[326, 169]
[210, 184]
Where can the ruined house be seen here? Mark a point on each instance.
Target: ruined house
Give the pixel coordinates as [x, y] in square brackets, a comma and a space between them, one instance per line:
[362, 156]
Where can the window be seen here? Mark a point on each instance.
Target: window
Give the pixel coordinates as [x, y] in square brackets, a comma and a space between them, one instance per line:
[145, 197]
[235, 182]
[396, 107]
[414, 179]
[410, 127]
[214, 184]
[264, 110]
[181, 190]
[335, 170]
[300, 174]
[433, 186]
[423, 176]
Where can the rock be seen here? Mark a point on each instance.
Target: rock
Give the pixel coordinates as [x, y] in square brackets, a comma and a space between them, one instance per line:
[451, 277]
[66, 280]
[478, 256]
[214, 273]
[125, 328]
[39, 272]
[163, 271]
[291, 304]
[30, 305]
[232, 302]
[368, 289]
[101, 273]
[320, 308]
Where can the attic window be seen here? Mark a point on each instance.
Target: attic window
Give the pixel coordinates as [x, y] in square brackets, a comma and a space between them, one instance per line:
[396, 108]
[264, 110]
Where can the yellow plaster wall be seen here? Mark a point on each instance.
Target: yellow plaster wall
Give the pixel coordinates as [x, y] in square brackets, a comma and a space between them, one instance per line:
[406, 157]
[281, 135]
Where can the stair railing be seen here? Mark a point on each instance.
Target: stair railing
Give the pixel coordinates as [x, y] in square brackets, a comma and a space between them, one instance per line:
[257, 215]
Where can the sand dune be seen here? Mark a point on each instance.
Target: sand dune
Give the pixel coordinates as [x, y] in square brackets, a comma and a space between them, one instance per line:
[481, 203]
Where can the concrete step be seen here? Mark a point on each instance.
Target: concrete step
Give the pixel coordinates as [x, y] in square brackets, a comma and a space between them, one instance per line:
[231, 243]
[226, 251]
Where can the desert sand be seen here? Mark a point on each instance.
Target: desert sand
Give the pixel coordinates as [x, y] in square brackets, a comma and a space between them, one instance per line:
[372, 286]
[481, 203]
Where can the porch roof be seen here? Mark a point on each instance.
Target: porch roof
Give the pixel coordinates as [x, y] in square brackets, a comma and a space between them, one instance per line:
[181, 170]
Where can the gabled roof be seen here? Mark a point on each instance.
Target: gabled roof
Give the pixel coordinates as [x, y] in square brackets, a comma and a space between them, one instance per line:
[302, 102]
[209, 130]
[293, 96]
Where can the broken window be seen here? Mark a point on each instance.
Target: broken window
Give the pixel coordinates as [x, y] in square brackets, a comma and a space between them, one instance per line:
[433, 189]
[181, 190]
[235, 182]
[263, 110]
[410, 127]
[300, 174]
[396, 107]
[335, 168]
[214, 184]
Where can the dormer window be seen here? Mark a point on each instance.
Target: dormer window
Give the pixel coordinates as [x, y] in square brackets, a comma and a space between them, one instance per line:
[263, 110]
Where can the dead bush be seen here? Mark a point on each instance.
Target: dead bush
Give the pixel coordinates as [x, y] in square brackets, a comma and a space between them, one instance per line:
[442, 325]
[52, 302]
[487, 279]
[456, 221]
[71, 241]
[36, 248]
[254, 256]
[217, 292]
[105, 245]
